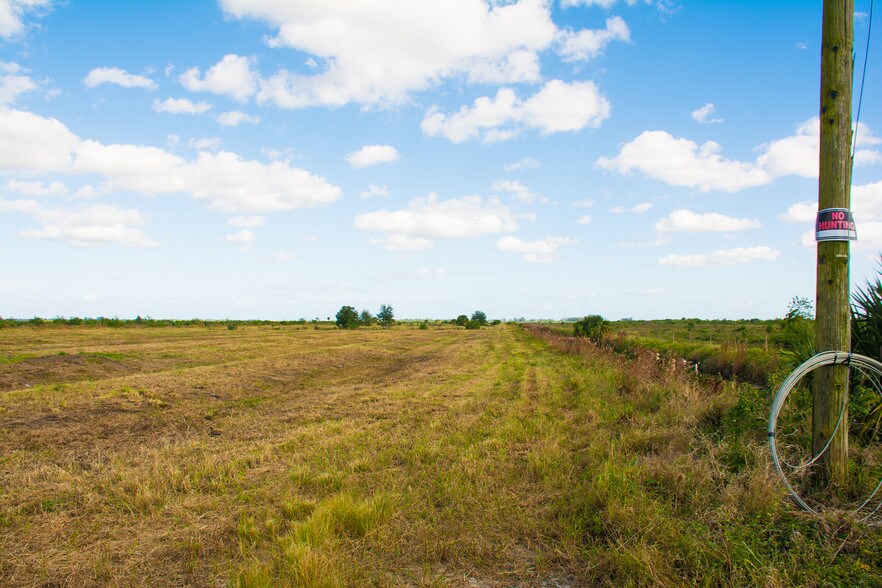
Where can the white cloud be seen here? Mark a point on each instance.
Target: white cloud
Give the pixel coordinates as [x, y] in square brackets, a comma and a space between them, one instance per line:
[234, 118]
[241, 237]
[374, 190]
[686, 221]
[705, 113]
[233, 184]
[727, 257]
[132, 168]
[372, 155]
[30, 143]
[382, 55]
[88, 226]
[180, 106]
[117, 76]
[585, 219]
[794, 155]
[636, 209]
[666, 6]
[399, 242]
[232, 76]
[205, 143]
[585, 203]
[866, 202]
[12, 13]
[24, 206]
[517, 66]
[681, 162]
[520, 192]
[557, 107]
[542, 250]
[601, 3]
[588, 44]
[801, 212]
[246, 222]
[37, 189]
[13, 83]
[286, 154]
[523, 164]
[427, 218]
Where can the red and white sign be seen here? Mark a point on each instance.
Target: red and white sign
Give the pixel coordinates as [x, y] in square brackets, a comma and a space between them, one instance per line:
[835, 224]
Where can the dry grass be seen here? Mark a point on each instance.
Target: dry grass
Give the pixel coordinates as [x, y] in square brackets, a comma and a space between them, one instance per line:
[267, 456]
[261, 456]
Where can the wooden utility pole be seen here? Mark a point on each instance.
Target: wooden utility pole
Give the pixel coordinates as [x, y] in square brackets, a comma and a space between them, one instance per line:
[833, 317]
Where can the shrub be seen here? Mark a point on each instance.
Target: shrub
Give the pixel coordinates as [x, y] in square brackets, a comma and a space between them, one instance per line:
[347, 318]
[386, 316]
[591, 326]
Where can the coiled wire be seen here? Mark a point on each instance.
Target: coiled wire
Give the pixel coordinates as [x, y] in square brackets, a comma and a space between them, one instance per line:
[870, 367]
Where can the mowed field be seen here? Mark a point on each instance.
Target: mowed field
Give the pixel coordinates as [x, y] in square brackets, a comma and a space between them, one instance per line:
[291, 456]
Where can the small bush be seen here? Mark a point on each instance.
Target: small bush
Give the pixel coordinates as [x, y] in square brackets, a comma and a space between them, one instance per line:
[592, 326]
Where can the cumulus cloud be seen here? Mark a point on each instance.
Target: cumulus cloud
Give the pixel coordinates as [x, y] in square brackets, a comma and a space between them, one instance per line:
[205, 143]
[705, 114]
[232, 184]
[801, 212]
[240, 237]
[557, 107]
[427, 218]
[519, 191]
[372, 155]
[382, 55]
[542, 250]
[180, 106]
[662, 5]
[636, 209]
[84, 226]
[13, 83]
[232, 76]
[588, 44]
[117, 76]
[36, 189]
[721, 257]
[585, 219]
[234, 118]
[374, 190]
[681, 162]
[13, 12]
[601, 3]
[686, 221]
[34, 144]
[523, 164]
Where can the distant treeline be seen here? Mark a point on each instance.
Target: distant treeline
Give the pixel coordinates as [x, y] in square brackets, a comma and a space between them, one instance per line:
[102, 321]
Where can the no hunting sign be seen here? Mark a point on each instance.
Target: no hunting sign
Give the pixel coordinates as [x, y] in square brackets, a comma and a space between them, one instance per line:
[835, 224]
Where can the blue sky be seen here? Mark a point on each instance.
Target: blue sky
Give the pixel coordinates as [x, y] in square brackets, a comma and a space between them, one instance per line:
[277, 160]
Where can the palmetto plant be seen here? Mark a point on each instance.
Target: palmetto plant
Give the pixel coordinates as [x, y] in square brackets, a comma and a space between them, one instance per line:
[866, 339]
